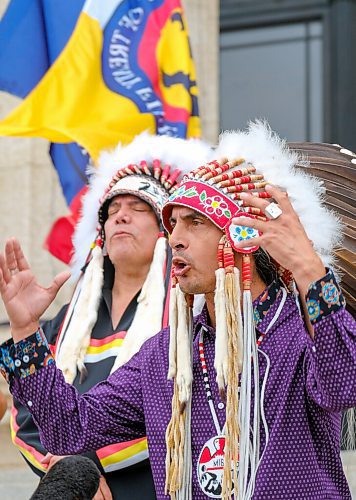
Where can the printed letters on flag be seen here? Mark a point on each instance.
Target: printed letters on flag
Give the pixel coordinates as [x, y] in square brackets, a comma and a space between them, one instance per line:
[126, 68]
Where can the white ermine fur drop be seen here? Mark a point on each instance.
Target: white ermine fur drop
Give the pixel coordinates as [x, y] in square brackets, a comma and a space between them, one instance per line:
[148, 318]
[77, 336]
[221, 340]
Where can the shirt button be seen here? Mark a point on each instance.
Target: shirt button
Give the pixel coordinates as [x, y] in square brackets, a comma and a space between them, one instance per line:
[221, 406]
[313, 348]
[29, 403]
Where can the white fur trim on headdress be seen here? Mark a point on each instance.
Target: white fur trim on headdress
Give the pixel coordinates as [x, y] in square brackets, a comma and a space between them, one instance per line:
[148, 317]
[180, 153]
[221, 338]
[271, 156]
[72, 349]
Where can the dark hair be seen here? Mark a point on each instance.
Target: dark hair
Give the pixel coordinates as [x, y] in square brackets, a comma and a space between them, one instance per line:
[265, 267]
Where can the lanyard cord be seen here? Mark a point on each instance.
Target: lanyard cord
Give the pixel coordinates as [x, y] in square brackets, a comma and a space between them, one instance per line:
[209, 398]
[206, 382]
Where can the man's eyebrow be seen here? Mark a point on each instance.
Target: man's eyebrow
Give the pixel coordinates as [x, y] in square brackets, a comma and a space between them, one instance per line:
[113, 203]
[172, 219]
[131, 203]
[189, 216]
[137, 202]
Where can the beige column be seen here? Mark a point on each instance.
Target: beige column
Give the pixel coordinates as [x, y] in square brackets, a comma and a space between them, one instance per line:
[203, 22]
[30, 201]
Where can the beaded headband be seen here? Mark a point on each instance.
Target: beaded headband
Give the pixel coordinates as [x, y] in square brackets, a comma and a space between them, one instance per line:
[151, 183]
[214, 190]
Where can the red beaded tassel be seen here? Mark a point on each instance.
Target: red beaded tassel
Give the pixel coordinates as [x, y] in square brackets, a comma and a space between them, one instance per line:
[221, 252]
[246, 272]
[165, 174]
[157, 169]
[222, 179]
[145, 168]
[229, 261]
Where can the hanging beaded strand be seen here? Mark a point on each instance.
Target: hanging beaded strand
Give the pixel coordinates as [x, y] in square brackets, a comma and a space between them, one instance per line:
[246, 272]
[232, 430]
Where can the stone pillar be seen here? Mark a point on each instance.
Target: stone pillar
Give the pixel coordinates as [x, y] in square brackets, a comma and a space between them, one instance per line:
[30, 201]
[203, 22]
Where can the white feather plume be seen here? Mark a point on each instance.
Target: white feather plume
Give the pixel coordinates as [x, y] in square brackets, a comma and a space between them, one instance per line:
[271, 156]
[179, 153]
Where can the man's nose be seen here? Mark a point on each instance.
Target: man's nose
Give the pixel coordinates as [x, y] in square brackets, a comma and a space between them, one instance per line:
[122, 216]
[178, 238]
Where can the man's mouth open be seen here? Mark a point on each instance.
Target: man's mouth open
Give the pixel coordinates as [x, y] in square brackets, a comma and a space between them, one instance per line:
[180, 267]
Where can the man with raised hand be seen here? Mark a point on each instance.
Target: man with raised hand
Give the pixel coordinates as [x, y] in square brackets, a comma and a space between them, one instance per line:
[122, 264]
[258, 381]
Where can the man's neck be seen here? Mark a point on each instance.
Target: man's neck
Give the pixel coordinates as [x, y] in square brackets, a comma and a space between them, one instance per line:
[257, 287]
[128, 282]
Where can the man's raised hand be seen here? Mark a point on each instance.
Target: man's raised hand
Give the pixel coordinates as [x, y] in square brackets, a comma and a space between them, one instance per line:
[24, 298]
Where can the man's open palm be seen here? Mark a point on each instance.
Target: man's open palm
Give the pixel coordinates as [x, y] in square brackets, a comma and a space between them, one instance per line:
[24, 298]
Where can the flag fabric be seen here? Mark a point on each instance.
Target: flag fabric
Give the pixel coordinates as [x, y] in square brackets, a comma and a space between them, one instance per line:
[32, 35]
[126, 68]
[59, 239]
[70, 161]
[23, 47]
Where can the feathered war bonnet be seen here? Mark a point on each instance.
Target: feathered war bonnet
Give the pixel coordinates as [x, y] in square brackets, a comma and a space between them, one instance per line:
[244, 161]
[147, 168]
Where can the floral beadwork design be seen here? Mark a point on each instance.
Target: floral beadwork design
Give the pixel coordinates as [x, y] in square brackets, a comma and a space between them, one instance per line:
[242, 233]
[330, 293]
[191, 192]
[214, 205]
[265, 301]
[324, 297]
[7, 364]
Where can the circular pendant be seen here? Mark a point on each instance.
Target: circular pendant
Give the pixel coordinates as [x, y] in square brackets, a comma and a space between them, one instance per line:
[236, 234]
[210, 467]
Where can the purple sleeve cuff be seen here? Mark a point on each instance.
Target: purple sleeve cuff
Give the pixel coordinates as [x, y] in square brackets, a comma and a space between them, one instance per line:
[24, 358]
[324, 297]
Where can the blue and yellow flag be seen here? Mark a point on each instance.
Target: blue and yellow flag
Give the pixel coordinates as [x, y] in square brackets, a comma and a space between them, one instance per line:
[126, 68]
[32, 35]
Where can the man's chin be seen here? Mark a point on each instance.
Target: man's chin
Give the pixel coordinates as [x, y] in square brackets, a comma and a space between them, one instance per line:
[188, 286]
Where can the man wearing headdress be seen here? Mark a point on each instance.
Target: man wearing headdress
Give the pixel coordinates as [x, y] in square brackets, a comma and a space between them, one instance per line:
[258, 381]
[120, 298]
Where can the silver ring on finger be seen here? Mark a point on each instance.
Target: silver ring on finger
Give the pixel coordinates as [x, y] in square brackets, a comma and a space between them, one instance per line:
[273, 211]
[14, 271]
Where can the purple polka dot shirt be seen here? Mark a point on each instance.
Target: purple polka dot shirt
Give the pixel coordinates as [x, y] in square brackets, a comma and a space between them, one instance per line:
[309, 384]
